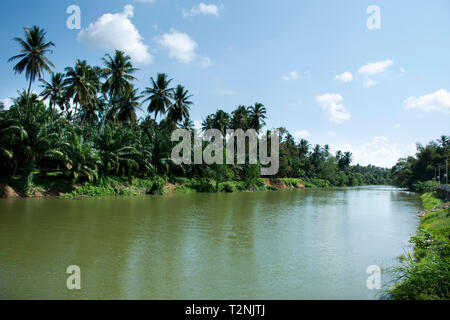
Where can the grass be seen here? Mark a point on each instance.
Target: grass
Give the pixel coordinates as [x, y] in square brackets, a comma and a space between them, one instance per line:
[425, 274]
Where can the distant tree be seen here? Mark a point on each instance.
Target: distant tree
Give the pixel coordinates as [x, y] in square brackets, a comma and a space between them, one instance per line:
[159, 95]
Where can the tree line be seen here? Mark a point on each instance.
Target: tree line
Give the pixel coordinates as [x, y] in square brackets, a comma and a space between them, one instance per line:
[84, 124]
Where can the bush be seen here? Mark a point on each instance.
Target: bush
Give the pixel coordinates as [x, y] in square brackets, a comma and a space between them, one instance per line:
[157, 186]
[427, 186]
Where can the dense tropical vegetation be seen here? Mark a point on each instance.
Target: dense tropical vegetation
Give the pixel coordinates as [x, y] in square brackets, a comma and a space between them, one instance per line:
[425, 273]
[90, 124]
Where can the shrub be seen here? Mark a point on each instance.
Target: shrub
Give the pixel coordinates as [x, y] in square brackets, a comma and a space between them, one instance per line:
[426, 186]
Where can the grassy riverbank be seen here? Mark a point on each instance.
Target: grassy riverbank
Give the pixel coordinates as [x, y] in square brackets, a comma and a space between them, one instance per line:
[51, 185]
[425, 274]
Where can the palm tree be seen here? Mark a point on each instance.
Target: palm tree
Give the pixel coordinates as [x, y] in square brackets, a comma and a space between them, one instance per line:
[187, 124]
[221, 121]
[159, 95]
[80, 157]
[55, 91]
[240, 118]
[208, 123]
[82, 84]
[2, 106]
[32, 55]
[118, 73]
[179, 110]
[126, 104]
[303, 148]
[257, 114]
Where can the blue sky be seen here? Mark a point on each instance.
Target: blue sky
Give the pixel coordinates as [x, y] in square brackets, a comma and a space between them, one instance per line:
[317, 67]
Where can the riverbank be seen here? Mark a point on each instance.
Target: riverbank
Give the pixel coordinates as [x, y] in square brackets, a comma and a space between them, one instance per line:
[425, 273]
[54, 186]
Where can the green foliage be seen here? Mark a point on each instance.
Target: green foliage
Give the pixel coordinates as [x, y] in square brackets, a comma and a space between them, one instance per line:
[426, 186]
[426, 275]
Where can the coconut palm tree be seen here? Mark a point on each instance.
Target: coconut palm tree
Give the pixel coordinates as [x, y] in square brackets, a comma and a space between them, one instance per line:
[208, 122]
[179, 110]
[159, 95]
[82, 84]
[55, 91]
[118, 73]
[257, 114]
[32, 55]
[240, 118]
[221, 121]
[126, 104]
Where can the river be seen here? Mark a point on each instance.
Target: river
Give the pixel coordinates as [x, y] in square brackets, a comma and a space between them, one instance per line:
[300, 244]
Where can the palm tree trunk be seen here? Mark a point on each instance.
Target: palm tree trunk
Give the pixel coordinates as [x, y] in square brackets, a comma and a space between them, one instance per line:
[29, 88]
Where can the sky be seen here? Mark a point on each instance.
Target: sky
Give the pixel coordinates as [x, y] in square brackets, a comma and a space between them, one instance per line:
[371, 80]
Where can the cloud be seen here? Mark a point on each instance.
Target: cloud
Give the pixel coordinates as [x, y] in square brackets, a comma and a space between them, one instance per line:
[331, 133]
[115, 31]
[335, 111]
[437, 101]
[198, 125]
[344, 77]
[181, 47]
[302, 134]
[380, 151]
[369, 83]
[7, 103]
[293, 75]
[374, 68]
[205, 62]
[205, 9]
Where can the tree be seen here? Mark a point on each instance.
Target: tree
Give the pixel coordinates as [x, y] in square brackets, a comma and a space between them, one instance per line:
[82, 84]
[118, 73]
[32, 55]
[126, 104]
[55, 91]
[221, 121]
[180, 108]
[257, 114]
[159, 95]
[208, 123]
[240, 118]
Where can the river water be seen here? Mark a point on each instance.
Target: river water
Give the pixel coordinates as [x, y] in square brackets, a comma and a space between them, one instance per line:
[301, 244]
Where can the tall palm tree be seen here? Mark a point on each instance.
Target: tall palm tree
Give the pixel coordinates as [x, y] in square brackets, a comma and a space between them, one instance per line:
[159, 95]
[303, 148]
[32, 55]
[179, 110]
[240, 118]
[208, 122]
[118, 73]
[257, 114]
[55, 91]
[126, 104]
[82, 84]
[221, 121]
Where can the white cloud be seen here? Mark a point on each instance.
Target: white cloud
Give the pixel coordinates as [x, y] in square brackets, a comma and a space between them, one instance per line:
[331, 133]
[181, 47]
[203, 8]
[374, 68]
[437, 101]
[380, 151]
[198, 125]
[344, 77]
[333, 108]
[293, 75]
[369, 83]
[115, 31]
[205, 62]
[7, 103]
[301, 134]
